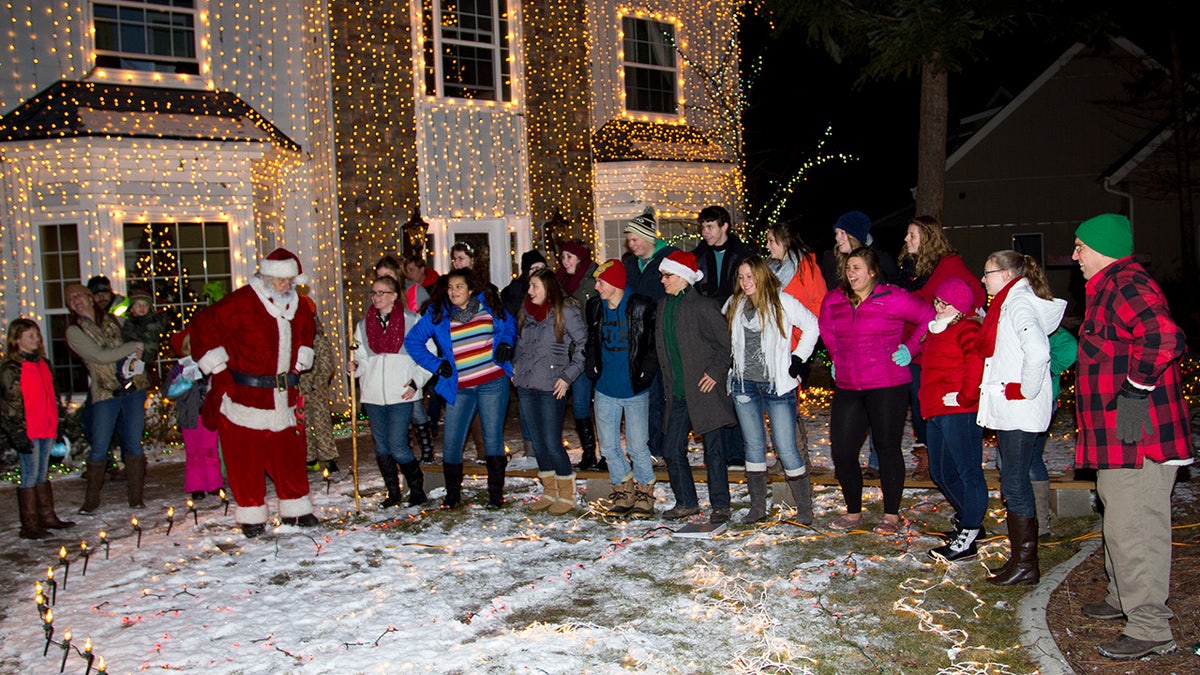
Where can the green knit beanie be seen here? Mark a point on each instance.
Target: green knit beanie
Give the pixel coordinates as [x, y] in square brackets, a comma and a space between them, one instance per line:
[1108, 234]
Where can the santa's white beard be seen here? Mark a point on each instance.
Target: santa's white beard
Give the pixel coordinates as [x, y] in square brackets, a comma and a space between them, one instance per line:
[282, 298]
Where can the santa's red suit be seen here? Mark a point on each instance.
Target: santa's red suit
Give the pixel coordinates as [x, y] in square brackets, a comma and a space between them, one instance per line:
[254, 346]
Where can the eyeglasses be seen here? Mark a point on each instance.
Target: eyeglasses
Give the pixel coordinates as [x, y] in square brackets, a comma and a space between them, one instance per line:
[987, 272]
[666, 275]
[940, 303]
[378, 293]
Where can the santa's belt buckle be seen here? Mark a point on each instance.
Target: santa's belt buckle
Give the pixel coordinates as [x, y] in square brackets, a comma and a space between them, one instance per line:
[281, 381]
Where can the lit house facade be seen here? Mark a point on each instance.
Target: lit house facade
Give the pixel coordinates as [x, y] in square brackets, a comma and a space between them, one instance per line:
[169, 143]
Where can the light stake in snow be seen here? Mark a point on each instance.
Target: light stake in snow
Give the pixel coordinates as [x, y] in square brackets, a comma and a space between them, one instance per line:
[48, 629]
[101, 667]
[137, 528]
[87, 554]
[104, 540]
[62, 557]
[40, 601]
[52, 584]
[192, 509]
[87, 654]
[325, 473]
[170, 519]
[224, 500]
[66, 647]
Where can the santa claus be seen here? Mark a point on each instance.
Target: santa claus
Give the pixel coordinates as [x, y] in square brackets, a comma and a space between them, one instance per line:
[255, 342]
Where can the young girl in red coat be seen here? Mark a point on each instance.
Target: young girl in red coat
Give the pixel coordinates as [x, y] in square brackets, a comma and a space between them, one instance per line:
[949, 395]
[29, 420]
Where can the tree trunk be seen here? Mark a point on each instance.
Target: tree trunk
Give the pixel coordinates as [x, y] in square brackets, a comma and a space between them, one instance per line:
[931, 141]
[1183, 173]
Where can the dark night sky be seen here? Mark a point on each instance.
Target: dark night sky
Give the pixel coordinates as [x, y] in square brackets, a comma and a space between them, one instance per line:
[802, 90]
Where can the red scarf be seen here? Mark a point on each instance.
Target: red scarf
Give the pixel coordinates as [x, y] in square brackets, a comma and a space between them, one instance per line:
[570, 282]
[536, 312]
[383, 341]
[987, 335]
[37, 393]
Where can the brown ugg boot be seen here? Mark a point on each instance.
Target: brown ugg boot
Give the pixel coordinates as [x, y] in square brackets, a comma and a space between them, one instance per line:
[921, 470]
[31, 526]
[565, 501]
[549, 492]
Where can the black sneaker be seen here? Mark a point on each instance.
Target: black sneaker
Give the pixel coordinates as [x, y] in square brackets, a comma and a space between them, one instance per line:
[1126, 648]
[332, 466]
[1101, 610]
[961, 547]
[253, 530]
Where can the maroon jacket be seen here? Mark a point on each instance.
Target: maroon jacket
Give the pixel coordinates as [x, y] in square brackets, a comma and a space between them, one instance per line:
[1128, 332]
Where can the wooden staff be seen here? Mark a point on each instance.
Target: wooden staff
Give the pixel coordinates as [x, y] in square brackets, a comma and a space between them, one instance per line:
[353, 409]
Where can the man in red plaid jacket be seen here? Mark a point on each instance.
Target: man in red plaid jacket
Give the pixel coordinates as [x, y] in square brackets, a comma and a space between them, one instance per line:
[1133, 429]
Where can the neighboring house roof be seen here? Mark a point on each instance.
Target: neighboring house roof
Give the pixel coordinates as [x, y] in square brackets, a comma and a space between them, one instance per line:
[623, 140]
[67, 109]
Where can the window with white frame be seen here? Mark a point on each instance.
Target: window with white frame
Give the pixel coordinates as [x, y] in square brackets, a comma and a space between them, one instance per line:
[649, 66]
[175, 261]
[147, 35]
[59, 245]
[467, 49]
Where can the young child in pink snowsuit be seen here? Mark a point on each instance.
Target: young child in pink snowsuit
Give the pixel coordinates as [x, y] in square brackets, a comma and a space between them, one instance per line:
[202, 464]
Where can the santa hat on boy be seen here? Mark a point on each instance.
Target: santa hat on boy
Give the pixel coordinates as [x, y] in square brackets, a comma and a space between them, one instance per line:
[283, 264]
[682, 264]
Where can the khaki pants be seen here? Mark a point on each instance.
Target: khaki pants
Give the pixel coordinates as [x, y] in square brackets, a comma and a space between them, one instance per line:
[1137, 545]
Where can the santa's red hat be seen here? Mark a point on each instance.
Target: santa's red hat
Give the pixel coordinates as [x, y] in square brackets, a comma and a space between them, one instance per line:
[682, 264]
[282, 264]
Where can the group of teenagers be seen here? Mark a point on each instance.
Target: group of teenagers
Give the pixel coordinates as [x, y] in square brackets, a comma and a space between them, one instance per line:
[716, 342]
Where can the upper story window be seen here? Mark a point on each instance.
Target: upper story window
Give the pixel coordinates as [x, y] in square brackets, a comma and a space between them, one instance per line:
[467, 49]
[650, 66]
[156, 36]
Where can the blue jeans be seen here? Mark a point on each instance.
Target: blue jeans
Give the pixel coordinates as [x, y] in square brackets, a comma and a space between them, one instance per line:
[675, 446]
[389, 428]
[956, 464]
[750, 400]
[125, 414]
[1017, 449]
[637, 433]
[1037, 470]
[544, 414]
[581, 397]
[34, 464]
[491, 400]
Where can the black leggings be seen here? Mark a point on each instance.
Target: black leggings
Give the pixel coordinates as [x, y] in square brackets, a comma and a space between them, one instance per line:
[883, 412]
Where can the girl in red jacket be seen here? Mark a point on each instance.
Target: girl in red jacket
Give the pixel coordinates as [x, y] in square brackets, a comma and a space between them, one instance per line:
[953, 368]
[29, 420]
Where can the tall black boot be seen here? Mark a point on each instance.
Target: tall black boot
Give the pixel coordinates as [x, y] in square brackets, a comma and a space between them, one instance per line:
[416, 482]
[425, 442]
[1022, 565]
[587, 441]
[495, 469]
[95, 481]
[391, 480]
[135, 473]
[454, 475]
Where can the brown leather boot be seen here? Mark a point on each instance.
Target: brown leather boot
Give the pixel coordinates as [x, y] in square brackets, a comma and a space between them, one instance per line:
[135, 473]
[95, 481]
[45, 507]
[921, 470]
[31, 527]
[1022, 565]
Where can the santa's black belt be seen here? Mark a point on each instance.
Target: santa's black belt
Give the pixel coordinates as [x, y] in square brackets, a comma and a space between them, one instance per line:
[280, 381]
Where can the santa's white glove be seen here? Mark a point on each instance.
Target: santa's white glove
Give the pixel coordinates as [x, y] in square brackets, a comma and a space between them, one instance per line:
[951, 399]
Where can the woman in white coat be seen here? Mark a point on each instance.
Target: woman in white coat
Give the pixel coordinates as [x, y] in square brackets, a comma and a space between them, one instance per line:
[1016, 398]
[389, 384]
[764, 377]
